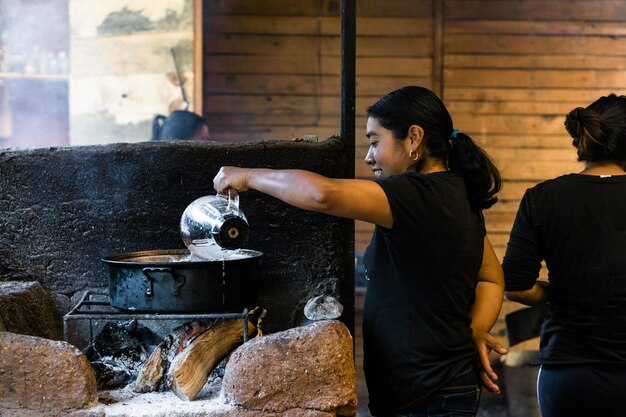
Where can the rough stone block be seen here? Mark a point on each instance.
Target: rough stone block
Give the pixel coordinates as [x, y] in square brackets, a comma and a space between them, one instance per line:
[27, 308]
[309, 367]
[42, 375]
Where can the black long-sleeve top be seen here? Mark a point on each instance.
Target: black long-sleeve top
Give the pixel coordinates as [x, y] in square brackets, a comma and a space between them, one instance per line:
[577, 224]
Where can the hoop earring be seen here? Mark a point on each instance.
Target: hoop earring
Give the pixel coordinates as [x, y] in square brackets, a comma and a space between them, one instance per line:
[414, 157]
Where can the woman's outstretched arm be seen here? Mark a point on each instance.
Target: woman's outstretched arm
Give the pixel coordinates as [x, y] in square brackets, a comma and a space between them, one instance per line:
[356, 199]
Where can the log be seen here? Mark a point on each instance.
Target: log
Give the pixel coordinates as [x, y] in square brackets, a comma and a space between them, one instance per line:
[150, 376]
[151, 372]
[190, 369]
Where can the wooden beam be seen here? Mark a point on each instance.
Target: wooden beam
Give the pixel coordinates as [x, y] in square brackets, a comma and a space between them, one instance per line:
[347, 132]
[198, 72]
[438, 47]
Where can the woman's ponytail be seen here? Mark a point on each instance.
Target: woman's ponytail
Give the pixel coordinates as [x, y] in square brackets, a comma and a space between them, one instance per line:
[482, 178]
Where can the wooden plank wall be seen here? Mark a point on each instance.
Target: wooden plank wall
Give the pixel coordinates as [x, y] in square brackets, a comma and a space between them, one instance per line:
[272, 68]
[513, 69]
[510, 71]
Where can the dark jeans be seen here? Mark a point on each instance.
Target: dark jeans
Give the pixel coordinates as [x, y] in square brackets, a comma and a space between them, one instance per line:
[582, 390]
[458, 398]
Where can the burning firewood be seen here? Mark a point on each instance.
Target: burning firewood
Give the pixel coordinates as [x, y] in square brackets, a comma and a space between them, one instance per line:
[190, 369]
[150, 377]
[205, 344]
[151, 372]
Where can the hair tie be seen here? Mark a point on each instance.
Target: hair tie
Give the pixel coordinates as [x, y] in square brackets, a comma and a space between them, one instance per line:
[454, 133]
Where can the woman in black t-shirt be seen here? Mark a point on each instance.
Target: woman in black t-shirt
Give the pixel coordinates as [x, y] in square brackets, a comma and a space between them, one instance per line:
[435, 285]
[577, 224]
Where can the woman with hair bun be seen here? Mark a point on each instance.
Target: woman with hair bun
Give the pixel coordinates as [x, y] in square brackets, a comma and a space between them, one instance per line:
[435, 285]
[577, 224]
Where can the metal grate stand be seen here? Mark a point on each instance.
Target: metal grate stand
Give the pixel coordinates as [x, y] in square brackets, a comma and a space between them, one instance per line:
[103, 310]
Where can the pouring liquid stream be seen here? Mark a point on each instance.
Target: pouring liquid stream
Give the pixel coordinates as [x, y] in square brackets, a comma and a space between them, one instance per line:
[224, 281]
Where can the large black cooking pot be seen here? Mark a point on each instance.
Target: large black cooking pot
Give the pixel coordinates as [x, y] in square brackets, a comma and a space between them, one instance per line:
[162, 281]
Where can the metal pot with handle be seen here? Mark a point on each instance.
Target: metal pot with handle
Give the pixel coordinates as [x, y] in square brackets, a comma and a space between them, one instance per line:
[166, 281]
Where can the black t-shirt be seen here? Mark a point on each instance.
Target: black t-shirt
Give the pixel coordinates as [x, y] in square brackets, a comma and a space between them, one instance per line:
[422, 276]
[577, 224]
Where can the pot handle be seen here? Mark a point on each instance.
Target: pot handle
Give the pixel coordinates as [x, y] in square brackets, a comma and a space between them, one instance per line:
[178, 280]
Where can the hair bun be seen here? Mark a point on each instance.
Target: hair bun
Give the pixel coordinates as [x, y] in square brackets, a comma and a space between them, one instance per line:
[573, 122]
[598, 131]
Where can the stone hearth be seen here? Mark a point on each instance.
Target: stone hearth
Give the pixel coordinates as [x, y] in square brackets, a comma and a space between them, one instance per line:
[63, 209]
[284, 374]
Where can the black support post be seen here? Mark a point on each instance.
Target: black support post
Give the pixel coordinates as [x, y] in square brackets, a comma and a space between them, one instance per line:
[348, 118]
[348, 76]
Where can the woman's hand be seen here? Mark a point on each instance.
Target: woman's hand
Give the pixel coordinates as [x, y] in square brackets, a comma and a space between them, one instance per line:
[484, 343]
[229, 178]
